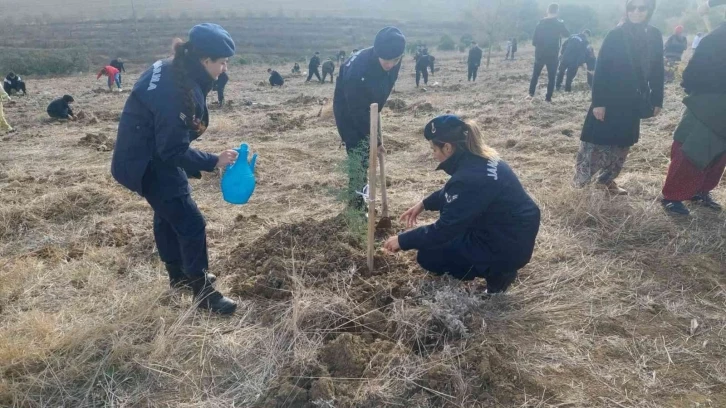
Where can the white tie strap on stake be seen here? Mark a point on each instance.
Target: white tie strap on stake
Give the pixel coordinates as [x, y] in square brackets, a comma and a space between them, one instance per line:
[371, 193]
[364, 193]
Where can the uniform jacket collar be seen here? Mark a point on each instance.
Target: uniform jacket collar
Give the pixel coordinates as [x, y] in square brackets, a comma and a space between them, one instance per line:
[200, 76]
[453, 163]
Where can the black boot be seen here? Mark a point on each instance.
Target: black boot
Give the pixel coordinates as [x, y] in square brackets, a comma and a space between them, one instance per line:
[179, 280]
[210, 299]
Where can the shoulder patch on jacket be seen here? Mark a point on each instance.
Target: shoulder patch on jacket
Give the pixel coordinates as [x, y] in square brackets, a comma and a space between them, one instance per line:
[450, 198]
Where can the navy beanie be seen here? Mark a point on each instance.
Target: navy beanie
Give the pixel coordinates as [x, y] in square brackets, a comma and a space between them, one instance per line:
[390, 43]
[443, 129]
[212, 40]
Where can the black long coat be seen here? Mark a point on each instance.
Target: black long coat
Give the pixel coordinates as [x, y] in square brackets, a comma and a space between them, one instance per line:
[615, 87]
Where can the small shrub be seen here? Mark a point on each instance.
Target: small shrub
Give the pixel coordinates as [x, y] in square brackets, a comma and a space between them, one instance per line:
[447, 43]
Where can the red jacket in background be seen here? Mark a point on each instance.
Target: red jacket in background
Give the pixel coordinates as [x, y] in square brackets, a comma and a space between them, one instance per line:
[110, 72]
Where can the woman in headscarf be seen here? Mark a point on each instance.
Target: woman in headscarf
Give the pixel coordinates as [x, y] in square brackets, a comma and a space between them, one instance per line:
[627, 87]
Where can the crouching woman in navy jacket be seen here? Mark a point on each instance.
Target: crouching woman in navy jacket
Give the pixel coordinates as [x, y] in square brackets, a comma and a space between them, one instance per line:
[488, 222]
[166, 111]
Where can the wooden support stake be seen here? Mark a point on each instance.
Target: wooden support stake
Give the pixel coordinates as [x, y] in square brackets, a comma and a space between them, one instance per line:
[384, 192]
[373, 155]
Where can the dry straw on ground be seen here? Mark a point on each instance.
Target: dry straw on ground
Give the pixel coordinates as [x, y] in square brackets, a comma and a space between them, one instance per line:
[602, 317]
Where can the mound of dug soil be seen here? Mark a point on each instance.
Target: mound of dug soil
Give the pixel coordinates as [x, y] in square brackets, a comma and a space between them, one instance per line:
[316, 248]
[282, 122]
[304, 100]
[99, 141]
[397, 337]
[396, 104]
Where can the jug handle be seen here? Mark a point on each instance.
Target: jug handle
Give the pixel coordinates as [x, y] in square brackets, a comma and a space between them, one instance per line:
[253, 162]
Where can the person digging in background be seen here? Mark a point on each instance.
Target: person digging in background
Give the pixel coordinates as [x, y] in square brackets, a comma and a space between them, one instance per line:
[487, 224]
[4, 125]
[675, 45]
[367, 77]
[423, 64]
[296, 68]
[546, 41]
[574, 53]
[473, 62]
[13, 83]
[219, 86]
[114, 76]
[119, 65]
[328, 69]
[698, 153]
[275, 78]
[511, 48]
[61, 108]
[313, 68]
[627, 87]
[167, 110]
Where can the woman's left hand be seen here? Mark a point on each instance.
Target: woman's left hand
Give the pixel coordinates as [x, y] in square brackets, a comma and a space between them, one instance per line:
[392, 245]
[656, 111]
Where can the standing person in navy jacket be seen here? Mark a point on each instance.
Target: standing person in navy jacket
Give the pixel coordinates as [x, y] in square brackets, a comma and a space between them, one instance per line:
[219, 86]
[313, 66]
[367, 77]
[546, 40]
[488, 223]
[166, 111]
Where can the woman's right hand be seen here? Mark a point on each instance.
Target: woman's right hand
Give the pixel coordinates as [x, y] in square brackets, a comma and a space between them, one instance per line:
[599, 113]
[226, 158]
[410, 216]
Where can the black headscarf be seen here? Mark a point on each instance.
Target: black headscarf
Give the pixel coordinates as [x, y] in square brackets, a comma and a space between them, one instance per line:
[636, 36]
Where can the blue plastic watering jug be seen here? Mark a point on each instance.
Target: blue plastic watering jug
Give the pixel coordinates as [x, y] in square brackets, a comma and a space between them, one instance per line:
[238, 182]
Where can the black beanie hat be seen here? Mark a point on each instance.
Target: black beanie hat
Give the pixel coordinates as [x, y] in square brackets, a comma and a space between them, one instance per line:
[212, 40]
[390, 43]
[443, 129]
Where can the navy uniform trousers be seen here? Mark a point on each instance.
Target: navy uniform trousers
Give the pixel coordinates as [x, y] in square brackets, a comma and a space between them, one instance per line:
[448, 259]
[180, 233]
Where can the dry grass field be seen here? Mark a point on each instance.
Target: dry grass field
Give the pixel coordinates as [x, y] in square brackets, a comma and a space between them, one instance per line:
[621, 306]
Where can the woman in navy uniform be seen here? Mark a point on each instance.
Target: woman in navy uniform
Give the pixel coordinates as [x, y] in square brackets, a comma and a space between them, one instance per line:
[488, 223]
[166, 111]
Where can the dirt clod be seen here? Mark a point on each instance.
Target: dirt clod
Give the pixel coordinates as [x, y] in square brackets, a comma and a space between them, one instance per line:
[99, 141]
[396, 104]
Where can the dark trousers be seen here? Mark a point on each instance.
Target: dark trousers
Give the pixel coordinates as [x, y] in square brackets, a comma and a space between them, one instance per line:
[179, 232]
[325, 75]
[425, 74]
[314, 72]
[20, 86]
[571, 70]
[551, 64]
[447, 259]
[473, 69]
[510, 54]
[220, 94]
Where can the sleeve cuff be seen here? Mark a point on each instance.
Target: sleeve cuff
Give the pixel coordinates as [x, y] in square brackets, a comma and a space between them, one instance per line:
[404, 241]
[212, 162]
